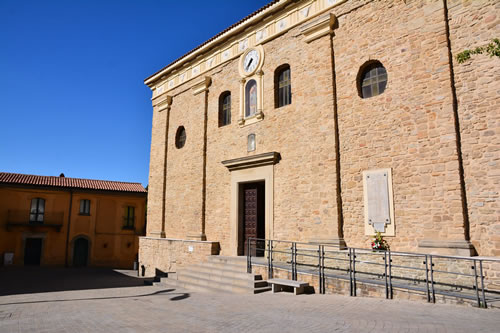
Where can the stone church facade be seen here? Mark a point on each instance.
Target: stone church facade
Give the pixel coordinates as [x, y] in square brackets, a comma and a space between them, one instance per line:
[325, 121]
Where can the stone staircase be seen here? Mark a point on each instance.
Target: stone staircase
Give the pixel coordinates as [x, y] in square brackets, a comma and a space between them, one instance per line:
[217, 274]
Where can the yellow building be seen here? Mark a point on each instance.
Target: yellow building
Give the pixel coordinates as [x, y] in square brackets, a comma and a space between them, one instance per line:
[47, 220]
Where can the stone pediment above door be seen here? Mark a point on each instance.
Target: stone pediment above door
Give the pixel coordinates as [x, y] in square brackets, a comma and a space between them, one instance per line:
[253, 161]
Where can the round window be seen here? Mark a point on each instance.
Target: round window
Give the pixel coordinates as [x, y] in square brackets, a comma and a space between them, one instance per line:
[180, 137]
[372, 79]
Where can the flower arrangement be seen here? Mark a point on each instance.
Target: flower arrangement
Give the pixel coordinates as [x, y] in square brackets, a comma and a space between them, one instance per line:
[379, 243]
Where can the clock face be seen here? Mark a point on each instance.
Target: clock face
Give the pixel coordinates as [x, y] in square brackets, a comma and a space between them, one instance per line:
[251, 61]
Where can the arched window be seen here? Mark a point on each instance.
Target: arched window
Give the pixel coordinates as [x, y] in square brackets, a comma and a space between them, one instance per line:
[372, 79]
[282, 86]
[250, 98]
[37, 210]
[225, 109]
[180, 137]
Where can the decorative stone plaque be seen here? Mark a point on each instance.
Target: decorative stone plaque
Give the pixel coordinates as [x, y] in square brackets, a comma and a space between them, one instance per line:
[251, 142]
[243, 45]
[304, 12]
[378, 201]
[261, 34]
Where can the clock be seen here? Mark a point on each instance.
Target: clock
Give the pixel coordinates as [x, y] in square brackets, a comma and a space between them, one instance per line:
[250, 61]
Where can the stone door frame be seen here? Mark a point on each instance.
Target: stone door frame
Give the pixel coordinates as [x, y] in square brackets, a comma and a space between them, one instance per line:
[245, 170]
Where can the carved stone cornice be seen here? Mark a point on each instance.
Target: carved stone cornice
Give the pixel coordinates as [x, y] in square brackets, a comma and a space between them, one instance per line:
[319, 28]
[253, 161]
[163, 104]
[201, 85]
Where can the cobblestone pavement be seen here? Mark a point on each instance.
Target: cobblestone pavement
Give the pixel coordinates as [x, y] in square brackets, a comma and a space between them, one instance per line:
[163, 309]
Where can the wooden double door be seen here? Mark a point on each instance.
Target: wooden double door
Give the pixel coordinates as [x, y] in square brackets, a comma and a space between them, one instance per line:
[253, 215]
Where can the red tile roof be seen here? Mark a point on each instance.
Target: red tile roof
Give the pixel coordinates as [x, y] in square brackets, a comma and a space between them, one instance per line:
[246, 18]
[78, 183]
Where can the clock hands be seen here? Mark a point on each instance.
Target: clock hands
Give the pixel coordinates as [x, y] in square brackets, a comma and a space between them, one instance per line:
[248, 65]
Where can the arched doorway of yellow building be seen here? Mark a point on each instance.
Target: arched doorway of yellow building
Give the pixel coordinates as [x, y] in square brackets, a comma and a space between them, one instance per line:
[81, 251]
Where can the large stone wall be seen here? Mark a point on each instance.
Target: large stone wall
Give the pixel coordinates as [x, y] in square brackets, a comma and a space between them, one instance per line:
[410, 128]
[304, 187]
[472, 24]
[185, 167]
[156, 172]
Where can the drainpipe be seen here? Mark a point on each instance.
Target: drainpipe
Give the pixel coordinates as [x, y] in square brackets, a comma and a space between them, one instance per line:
[69, 225]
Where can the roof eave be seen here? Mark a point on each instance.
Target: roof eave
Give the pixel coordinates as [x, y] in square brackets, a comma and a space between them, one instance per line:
[150, 81]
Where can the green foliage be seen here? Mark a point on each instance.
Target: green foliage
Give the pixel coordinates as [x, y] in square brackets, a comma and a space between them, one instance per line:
[492, 49]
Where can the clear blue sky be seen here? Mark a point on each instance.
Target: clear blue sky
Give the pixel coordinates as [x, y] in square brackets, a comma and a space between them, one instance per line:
[72, 97]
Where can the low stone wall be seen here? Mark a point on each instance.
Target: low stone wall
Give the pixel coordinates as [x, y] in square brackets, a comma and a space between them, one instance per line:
[167, 255]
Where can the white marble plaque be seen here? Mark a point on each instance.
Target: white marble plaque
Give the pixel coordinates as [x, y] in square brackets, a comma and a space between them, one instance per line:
[195, 70]
[251, 142]
[210, 62]
[281, 24]
[377, 199]
[243, 45]
[304, 12]
[329, 3]
[260, 35]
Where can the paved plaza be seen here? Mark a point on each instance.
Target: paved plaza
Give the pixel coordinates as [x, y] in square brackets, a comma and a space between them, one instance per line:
[132, 307]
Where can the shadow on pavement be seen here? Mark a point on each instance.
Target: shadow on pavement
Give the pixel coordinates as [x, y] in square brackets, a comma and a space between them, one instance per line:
[27, 280]
[180, 296]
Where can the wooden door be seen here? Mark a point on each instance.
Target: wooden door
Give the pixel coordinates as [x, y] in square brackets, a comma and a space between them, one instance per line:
[33, 251]
[81, 251]
[249, 215]
[253, 215]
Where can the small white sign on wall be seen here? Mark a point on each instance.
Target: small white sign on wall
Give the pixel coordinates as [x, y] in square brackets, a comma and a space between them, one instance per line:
[378, 202]
[190, 249]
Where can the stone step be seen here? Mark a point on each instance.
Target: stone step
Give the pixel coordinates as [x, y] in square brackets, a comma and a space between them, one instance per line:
[217, 274]
[209, 269]
[228, 260]
[204, 285]
[245, 281]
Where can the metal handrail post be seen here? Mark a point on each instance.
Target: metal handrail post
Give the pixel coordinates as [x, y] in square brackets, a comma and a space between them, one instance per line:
[323, 267]
[354, 271]
[295, 261]
[390, 275]
[320, 276]
[350, 272]
[475, 283]
[482, 283]
[432, 279]
[385, 276]
[249, 256]
[271, 259]
[427, 278]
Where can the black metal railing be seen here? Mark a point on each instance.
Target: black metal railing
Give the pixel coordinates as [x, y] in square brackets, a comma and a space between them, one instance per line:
[21, 219]
[453, 276]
